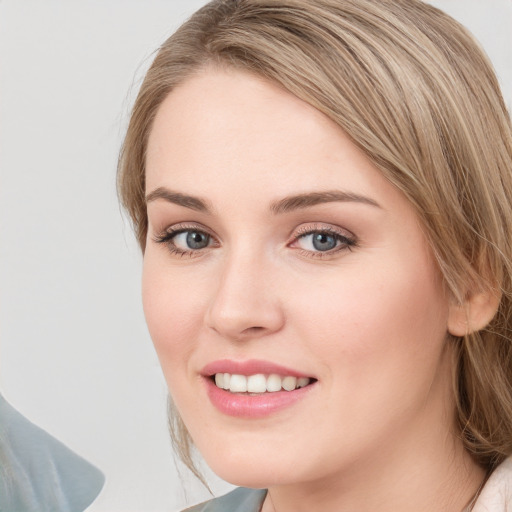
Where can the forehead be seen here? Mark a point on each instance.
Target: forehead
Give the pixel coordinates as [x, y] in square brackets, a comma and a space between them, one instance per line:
[226, 123]
[226, 109]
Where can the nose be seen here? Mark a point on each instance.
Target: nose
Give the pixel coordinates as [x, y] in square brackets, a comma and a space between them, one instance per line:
[245, 304]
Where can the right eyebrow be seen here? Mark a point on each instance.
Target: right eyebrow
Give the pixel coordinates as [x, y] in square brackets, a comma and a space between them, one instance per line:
[307, 200]
[194, 203]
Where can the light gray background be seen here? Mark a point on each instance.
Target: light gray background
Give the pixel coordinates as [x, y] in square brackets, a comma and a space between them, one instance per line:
[75, 356]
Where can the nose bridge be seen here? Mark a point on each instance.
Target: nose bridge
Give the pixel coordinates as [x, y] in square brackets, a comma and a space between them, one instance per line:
[245, 303]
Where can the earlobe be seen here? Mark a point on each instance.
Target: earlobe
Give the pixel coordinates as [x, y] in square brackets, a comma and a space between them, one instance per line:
[474, 313]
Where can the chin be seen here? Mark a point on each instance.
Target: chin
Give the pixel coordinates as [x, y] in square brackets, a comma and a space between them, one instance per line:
[253, 469]
[252, 475]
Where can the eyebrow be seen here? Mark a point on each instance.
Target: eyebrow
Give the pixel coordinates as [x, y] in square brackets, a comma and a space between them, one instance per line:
[194, 203]
[285, 205]
[307, 200]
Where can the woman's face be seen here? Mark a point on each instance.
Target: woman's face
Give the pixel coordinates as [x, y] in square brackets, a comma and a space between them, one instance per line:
[279, 256]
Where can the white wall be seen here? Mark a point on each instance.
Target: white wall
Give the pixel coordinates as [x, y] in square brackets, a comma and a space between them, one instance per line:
[74, 353]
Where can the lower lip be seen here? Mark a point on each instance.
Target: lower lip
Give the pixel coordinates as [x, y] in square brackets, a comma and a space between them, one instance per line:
[253, 406]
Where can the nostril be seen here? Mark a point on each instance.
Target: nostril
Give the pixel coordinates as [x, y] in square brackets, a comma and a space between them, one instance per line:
[253, 330]
[238, 319]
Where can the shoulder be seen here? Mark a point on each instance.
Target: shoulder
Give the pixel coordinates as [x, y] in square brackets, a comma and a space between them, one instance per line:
[38, 472]
[239, 500]
[496, 496]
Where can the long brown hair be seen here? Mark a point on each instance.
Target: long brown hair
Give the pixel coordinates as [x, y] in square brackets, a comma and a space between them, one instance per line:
[411, 88]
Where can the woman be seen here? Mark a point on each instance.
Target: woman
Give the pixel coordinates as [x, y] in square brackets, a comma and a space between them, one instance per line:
[322, 194]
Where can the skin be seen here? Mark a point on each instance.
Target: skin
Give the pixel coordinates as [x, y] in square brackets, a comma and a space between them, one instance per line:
[369, 321]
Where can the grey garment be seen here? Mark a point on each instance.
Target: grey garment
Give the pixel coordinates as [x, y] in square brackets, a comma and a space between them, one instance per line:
[239, 500]
[38, 473]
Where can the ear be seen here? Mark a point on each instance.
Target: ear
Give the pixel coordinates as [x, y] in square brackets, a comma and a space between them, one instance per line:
[474, 313]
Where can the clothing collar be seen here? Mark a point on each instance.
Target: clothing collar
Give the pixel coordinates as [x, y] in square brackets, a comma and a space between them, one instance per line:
[496, 496]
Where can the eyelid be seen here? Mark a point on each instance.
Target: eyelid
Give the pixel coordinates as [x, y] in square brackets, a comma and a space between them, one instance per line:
[307, 229]
[166, 236]
[316, 227]
[347, 238]
[180, 227]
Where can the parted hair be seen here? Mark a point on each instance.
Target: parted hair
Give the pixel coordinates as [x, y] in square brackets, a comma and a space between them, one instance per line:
[412, 88]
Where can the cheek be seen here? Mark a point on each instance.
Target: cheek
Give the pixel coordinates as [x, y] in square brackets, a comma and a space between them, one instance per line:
[379, 338]
[173, 309]
[374, 321]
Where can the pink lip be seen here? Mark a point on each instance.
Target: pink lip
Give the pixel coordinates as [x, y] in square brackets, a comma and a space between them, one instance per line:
[251, 406]
[250, 367]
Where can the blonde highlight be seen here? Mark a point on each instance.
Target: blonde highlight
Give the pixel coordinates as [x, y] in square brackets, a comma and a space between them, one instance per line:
[412, 88]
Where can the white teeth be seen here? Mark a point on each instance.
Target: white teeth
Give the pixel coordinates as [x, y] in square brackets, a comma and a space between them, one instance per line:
[302, 382]
[219, 380]
[273, 383]
[289, 383]
[259, 383]
[238, 384]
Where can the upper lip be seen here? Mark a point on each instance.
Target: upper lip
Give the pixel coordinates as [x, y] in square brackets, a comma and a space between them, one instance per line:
[249, 367]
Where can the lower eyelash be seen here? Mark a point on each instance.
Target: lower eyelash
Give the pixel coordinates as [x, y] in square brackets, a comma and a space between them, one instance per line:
[163, 238]
[348, 243]
[167, 235]
[166, 238]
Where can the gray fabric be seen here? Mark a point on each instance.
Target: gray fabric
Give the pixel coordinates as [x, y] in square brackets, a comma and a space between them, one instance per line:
[39, 473]
[239, 500]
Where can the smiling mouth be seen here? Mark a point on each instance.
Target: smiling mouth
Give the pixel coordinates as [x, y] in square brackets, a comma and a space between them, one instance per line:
[259, 383]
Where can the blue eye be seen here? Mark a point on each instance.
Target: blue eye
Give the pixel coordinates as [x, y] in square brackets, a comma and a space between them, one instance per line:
[321, 241]
[190, 240]
[182, 241]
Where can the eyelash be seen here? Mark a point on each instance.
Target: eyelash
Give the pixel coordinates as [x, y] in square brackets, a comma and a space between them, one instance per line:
[346, 242]
[166, 238]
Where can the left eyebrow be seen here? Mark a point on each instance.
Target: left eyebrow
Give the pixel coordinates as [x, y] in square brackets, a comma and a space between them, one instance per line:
[300, 201]
[185, 200]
